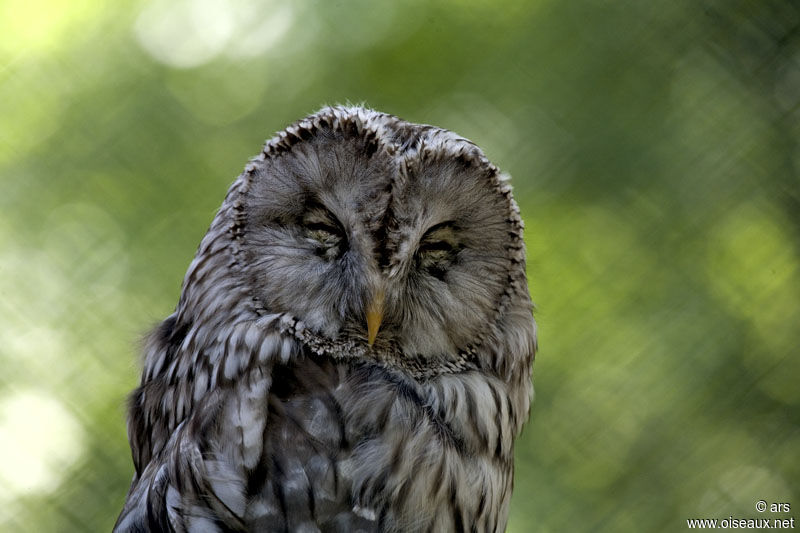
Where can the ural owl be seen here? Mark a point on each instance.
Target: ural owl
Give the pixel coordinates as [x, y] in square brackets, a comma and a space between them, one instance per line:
[352, 347]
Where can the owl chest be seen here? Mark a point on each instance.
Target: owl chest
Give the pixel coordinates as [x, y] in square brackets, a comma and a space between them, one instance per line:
[349, 450]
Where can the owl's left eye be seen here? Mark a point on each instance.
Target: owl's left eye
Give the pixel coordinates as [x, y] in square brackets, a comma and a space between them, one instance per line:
[437, 249]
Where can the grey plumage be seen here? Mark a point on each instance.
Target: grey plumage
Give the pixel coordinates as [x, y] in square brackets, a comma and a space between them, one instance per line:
[266, 402]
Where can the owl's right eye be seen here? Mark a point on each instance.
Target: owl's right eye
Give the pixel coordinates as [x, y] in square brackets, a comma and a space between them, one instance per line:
[323, 233]
[321, 227]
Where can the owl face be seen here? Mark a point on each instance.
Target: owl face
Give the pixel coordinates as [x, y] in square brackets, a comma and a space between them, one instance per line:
[379, 232]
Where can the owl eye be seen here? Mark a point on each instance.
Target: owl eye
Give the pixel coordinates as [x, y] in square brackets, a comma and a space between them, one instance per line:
[320, 226]
[437, 250]
[324, 234]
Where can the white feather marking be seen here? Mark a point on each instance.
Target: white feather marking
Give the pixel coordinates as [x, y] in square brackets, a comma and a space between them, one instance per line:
[252, 336]
[231, 365]
[365, 512]
[268, 348]
[287, 347]
[200, 385]
[235, 337]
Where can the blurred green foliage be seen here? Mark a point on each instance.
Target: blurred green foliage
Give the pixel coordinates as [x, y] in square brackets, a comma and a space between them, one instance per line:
[654, 150]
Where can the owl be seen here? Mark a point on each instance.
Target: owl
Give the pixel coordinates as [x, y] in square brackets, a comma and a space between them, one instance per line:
[352, 346]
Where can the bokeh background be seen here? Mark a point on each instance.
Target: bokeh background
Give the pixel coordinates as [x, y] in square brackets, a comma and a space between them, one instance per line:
[654, 150]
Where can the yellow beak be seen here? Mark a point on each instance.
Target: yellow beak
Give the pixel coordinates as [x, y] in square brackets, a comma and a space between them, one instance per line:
[374, 316]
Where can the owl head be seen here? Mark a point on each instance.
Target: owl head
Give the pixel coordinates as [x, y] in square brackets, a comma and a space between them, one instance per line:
[380, 239]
